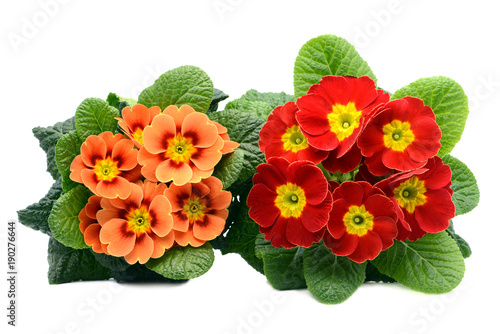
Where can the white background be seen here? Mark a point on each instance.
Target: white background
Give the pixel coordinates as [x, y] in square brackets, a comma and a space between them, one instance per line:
[89, 48]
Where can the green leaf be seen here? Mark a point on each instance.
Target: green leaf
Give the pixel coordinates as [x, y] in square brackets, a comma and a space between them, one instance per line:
[432, 264]
[244, 129]
[36, 215]
[448, 101]
[327, 55]
[461, 243]
[260, 104]
[282, 267]
[374, 275]
[228, 169]
[69, 265]
[138, 273]
[67, 148]
[184, 262]
[218, 97]
[94, 116]
[63, 219]
[243, 231]
[464, 185]
[182, 85]
[120, 102]
[113, 263]
[330, 278]
[48, 138]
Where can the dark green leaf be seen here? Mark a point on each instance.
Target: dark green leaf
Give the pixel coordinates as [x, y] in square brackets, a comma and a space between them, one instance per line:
[432, 264]
[48, 138]
[184, 262]
[218, 97]
[69, 265]
[464, 185]
[461, 243]
[283, 267]
[374, 275]
[138, 273]
[330, 278]
[36, 215]
[113, 263]
[448, 101]
[182, 85]
[327, 55]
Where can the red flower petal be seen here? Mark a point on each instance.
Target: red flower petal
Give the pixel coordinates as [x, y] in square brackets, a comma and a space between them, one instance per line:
[336, 226]
[315, 217]
[269, 175]
[434, 215]
[276, 233]
[343, 246]
[312, 116]
[297, 234]
[369, 246]
[310, 178]
[362, 91]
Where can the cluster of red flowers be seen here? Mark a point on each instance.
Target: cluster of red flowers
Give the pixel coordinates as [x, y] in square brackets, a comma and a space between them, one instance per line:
[154, 189]
[345, 124]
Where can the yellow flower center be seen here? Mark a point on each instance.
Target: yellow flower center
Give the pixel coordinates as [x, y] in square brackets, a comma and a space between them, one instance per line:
[294, 140]
[358, 220]
[180, 149]
[139, 221]
[106, 169]
[194, 208]
[397, 135]
[291, 200]
[137, 135]
[344, 120]
[411, 194]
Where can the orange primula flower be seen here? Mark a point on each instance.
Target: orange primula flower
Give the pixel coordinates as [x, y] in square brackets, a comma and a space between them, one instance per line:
[107, 164]
[199, 210]
[139, 227]
[180, 145]
[89, 225]
[229, 145]
[134, 121]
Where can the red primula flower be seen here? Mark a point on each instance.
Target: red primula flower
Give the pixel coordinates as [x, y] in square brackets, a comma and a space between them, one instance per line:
[362, 222]
[89, 225]
[180, 145]
[333, 113]
[107, 165]
[281, 137]
[290, 202]
[199, 211]
[139, 227]
[135, 120]
[403, 136]
[424, 196]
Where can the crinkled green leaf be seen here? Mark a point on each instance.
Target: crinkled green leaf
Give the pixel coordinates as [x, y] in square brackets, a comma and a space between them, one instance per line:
[48, 138]
[448, 101]
[464, 185]
[36, 215]
[67, 148]
[183, 85]
[327, 55]
[331, 279]
[283, 267]
[229, 167]
[113, 263]
[461, 243]
[120, 102]
[374, 275]
[69, 265]
[184, 262]
[244, 129]
[218, 97]
[432, 264]
[63, 220]
[94, 116]
[260, 104]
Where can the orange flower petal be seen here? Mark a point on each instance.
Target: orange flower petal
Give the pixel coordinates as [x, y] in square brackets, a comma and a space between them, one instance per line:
[89, 179]
[85, 221]
[187, 238]
[199, 174]
[136, 117]
[91, 237]
[151, 190]
[110, 139]
[149, 164]
[229, 146]
[94, 148]
[177, 194]
[210, 228]
[160, 210]
[200, 189]
[119, 187]
[142, 251]
[221, 213]
[132, 175]
[115, 234]
[196, 126]
[168, 171]
[156, 135]
[77, 165]
[181, 222]
[207, 158]
[162, 244]
[93, 205]
[134, 199]
[105, 215]
[125, 155]
[178, 114]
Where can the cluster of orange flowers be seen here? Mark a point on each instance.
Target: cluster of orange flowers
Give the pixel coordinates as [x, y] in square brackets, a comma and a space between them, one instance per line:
[153, 188]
